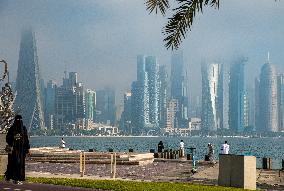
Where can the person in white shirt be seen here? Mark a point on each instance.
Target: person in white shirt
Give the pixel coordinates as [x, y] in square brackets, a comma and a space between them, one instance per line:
[62, 143]
[225, 148]
[181, 147]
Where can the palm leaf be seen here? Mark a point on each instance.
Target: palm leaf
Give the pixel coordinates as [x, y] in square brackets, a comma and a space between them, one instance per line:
[157, 5]
[178, 25]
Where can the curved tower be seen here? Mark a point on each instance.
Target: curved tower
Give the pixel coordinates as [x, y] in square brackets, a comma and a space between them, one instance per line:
[211, 114]
[268, 99]
[28, 97]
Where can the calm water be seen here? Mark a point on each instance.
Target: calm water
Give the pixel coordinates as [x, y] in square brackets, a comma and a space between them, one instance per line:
[259, 147]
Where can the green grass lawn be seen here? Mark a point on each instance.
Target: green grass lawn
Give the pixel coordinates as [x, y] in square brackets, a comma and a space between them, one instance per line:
[126, 185]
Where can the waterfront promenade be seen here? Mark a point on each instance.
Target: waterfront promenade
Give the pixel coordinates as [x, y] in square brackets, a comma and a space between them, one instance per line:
[67, 165]
[159, 171]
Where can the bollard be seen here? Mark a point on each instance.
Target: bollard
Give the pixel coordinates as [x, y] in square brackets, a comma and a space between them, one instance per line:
[113, 165]
[188, 157]
[206, 158]
[165, 154]
[267, 163]
[82, 163]
[156, 155]
[171, 154]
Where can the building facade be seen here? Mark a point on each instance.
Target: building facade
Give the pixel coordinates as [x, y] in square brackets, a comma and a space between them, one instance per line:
[237, 97]
[28, 100]
[280, 101]
[211, 97]
[268, 99]
[179, 89]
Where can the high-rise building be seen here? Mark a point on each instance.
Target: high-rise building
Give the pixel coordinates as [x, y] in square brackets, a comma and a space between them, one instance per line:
[105, 107]
[28, 100]
[246, 110]
[237, 96]
[257, 104]
[126, 114]
[152, 70]
[280, 101]
[50, 104]
[179, 89]
[211, 97]
[224, 98]
[69, 104]
[268, 99]
[172, 107]
[90, 105]
[163, 99]
[145, 95]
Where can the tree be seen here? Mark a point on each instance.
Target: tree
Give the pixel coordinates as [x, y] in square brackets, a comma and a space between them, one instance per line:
[182, 19]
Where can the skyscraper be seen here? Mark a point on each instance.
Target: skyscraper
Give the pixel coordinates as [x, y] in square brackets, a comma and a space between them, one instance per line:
[105, 107]
[152, 70]
[179, 89]
[50, 104]
[268, 99]
[163, 99]
[211, 97]
[237, 96]
[69, 104]
[89, 99]
[126, 114]
[257, 120]
[145, 95]
[280, 101]
[28, 100]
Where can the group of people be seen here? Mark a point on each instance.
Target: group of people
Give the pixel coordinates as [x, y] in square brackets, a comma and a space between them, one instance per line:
[225, 148]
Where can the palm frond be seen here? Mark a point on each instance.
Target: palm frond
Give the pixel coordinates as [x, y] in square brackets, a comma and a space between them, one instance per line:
[157, 5]
[182, 20]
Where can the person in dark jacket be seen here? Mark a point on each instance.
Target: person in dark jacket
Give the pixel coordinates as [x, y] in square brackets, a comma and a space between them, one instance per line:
[160, 147]
[17, 138]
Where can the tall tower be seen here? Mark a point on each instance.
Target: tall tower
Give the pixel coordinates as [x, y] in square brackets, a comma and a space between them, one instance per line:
[268, 99]
[211, 97]
[28, 99]
[237, 96]
[280, 99]
[179, 89]
[152, 70]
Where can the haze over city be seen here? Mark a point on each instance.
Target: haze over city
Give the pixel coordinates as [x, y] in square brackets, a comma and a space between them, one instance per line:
[101, 39]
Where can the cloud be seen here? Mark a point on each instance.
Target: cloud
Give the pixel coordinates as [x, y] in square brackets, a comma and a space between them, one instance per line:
[100, 39]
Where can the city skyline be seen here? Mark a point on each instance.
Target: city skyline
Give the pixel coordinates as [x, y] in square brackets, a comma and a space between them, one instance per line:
[85, 36]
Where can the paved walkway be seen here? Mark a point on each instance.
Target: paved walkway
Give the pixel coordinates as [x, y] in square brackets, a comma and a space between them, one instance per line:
[9, 186]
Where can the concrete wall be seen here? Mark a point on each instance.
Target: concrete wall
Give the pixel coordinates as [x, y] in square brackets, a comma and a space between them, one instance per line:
[3, 164]
[2, 141]
[237, 171]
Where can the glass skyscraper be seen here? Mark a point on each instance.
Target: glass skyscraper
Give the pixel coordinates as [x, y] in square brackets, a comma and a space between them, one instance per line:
[212, 95]
[179, 89]
[237, 96]
[268, 99]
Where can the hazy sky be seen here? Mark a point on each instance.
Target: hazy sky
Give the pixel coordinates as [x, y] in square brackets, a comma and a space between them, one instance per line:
[100, 39]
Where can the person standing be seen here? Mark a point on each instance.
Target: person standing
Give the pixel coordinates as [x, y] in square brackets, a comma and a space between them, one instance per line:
[181, 147]
[17, 139]
[160, 147]
[210, 152]
[62, 143]
[225, 148]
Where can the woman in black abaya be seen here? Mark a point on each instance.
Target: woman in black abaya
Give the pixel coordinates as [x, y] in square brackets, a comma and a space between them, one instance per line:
[17, 137]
